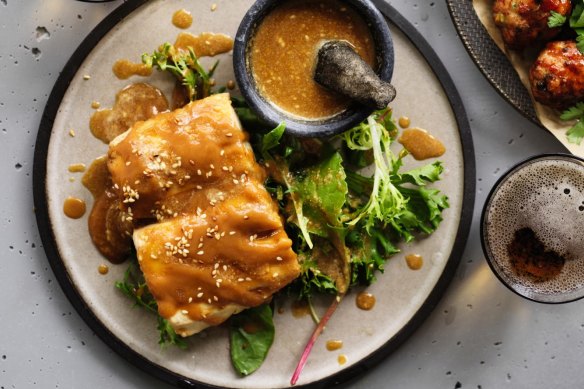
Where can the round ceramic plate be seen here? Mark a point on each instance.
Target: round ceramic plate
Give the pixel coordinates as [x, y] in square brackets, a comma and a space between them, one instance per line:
[404, 297]
[489, 58]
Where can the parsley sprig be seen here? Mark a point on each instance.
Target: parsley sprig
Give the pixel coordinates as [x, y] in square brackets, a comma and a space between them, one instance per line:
[576, 132]
[577, 23]
[556, 19]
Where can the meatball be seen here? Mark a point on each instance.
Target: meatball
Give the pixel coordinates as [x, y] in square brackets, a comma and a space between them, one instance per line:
[524, 22]
[557, 75]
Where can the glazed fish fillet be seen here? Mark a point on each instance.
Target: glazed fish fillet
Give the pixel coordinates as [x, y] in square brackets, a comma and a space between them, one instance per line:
[212, 242]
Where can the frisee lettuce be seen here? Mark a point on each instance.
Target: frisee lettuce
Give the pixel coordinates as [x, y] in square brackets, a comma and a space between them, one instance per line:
[134, 286]
[185, 66]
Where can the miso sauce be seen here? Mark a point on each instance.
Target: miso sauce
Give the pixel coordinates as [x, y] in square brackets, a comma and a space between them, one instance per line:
[74, 208]
[182, 19]
[414, 261]
[421, 144]
[365, 301]
[284, 48]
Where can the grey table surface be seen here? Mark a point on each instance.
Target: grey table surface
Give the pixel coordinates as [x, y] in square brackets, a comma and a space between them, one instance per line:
[481, 335]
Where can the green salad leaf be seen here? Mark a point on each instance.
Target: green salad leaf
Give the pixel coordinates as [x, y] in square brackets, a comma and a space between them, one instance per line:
[322, 191]
[251, 334]
[134, 287]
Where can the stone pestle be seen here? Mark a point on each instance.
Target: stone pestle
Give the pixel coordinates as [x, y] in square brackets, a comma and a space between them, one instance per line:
[341, 69]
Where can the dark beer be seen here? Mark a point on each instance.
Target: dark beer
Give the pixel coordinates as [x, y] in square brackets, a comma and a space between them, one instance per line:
[546, 196]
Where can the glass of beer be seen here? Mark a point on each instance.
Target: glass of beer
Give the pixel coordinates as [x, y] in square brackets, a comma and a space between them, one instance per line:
[532, 228]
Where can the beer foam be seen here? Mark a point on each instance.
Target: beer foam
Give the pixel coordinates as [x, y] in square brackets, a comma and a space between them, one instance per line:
[546, 195]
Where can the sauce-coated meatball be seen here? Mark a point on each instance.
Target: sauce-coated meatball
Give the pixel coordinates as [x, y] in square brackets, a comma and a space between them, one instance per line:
[557, 76]
[524, 22]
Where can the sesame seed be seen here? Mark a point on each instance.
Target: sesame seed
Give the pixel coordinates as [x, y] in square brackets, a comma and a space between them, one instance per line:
[86, 77]
[216, 266]
[247, 279]
[225, 168]
[215, 298]
[72, 133]
[222, 152]
[240, 280]
[231, 232]
[200, 252]
[213, 7]
[185, 312]
[235, 182]
[229, 135]
[225, 267]
[275, 275]
[199, 187]
[199, 295]
[212, 166]
[209, 301]
[279, 259]
[246, 217]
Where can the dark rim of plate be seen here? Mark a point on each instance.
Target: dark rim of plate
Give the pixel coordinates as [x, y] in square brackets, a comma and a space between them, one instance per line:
[490, 59]
[488, 201]
[162, 373]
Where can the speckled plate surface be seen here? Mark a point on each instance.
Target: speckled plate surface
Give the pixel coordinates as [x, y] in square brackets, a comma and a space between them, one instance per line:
[404, 297]
[488, 57]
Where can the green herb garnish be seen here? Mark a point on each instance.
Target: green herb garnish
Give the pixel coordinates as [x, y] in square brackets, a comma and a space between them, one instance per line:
[576, 133]
[577, 23]
[556, 19]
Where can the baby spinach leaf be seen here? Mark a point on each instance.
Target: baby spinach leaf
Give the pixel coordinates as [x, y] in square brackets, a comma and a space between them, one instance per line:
[251, 335]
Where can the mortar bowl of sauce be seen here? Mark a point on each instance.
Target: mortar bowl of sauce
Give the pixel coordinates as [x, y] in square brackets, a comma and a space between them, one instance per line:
[275, 52]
